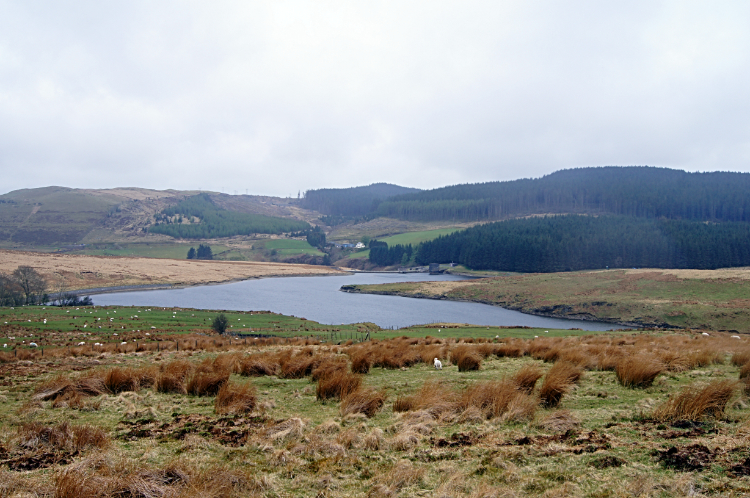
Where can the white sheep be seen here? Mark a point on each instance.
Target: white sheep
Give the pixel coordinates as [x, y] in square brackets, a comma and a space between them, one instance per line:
[438, 364]
[33, 345]
[81, 343]
[705, 333]
[123, 343]
[736, 337]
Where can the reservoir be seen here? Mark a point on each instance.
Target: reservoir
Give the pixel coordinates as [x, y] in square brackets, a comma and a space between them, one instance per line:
[319, 299]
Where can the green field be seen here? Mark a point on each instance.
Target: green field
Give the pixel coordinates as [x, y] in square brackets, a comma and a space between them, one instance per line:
[290, 247]
[412, 238]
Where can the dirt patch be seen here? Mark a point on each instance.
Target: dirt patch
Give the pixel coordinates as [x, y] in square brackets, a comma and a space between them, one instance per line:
[228, 431]
[607, 461]
[456, 440]
[576, 443]
[686, 458]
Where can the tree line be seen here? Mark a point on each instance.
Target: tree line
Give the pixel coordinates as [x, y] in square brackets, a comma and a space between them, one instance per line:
[197, 217]
[383, 255]
[575, 242]
[203, 252]
[629, 191]
[351, 202]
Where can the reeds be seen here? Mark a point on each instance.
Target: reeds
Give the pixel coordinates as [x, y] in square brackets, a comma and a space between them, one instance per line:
[526, 378]
[499, 399]
[558, 382]
[172, 377]
[638, 371]
[466, 358]
[337, 385]
[235, 398]
[118, 380]
[365, 400]
[695, 403]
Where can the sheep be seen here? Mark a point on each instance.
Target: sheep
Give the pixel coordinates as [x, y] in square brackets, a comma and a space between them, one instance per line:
[438, 364]
[82, 343]
[736, 337]
[705, 333]
[33, 345]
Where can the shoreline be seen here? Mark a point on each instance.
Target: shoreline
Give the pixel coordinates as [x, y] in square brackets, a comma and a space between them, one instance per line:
[94, 291]
[583, 318]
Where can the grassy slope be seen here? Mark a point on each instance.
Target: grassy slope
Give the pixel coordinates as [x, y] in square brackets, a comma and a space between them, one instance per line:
[412, 238]
[647, 297]
[610, 453]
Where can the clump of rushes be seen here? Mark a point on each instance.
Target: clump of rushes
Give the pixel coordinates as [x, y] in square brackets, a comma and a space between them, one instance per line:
[695, 403]
[235, 398]
[119, 379]
[525, 379]
[499, 399]
[361, 363]
[365, 400]
[259, 365]
[466, 358]
[558, 382]
[337, 385]
[207, 379]
[173, 377]
[638, 371]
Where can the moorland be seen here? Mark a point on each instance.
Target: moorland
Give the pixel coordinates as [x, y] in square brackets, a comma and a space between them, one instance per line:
[117, 401]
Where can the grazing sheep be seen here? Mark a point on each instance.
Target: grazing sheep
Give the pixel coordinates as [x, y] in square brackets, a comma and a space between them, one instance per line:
[81, 343]
[33, 345]
[705, 333]
[736, 337]
[5, 345]
[438, 364]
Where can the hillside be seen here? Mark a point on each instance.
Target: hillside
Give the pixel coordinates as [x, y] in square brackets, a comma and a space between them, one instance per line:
[351, 202]
[54, 217]
[629, 191]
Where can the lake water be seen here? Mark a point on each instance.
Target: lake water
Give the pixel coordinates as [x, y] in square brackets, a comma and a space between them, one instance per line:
[319, 299]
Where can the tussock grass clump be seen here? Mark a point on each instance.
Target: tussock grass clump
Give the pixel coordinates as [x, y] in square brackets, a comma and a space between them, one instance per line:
[366, 400]
[361, 363]
[66, 438]
[696, 403]
[207, 383]
[259, 365]
[560, 421]
[499, 399]
[558, 382]
[525, 379]
[434, 397]
[64, 386]
[298, 366]
[327, 367]
[741, 358]
[638, 371]
[337, 385]
[745, 371]
[172, 378]
[118, 380]
[235, 398]
[466, 358]
[401, 475]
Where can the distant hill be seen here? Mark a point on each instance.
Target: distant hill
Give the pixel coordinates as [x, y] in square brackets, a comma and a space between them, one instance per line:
[60, 216]
[352, 202]
[630, 191]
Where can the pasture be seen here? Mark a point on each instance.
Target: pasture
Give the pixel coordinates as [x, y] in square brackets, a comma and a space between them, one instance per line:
[183, 411]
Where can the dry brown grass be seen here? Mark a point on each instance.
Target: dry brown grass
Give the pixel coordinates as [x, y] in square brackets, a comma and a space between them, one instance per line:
[206, 383]
[361, 363]
[560, 421]
[63, 437]
[118, 380]
[325, 367]
[365, 400]
[741, 358]
[526, 378]
[499, 399]
[235, 398]
[337, 385]
[696, 403]
[466, 358]
[638, 371]
[259, 365]
[64, 386]
[173, 376]
[434, 396]
[558, 381]
[298, 366]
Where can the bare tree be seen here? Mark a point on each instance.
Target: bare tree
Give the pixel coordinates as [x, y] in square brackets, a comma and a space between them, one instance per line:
[10, 291]
[32, 284]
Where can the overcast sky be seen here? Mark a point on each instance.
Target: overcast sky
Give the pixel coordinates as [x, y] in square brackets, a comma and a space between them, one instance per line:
[278, 96]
